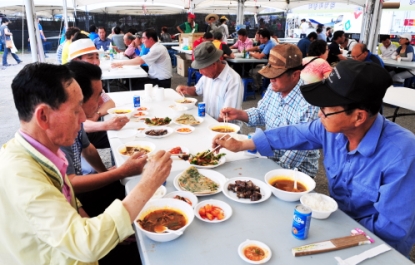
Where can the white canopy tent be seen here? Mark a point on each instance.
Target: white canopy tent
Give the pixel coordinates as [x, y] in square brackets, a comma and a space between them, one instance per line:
[154, 7]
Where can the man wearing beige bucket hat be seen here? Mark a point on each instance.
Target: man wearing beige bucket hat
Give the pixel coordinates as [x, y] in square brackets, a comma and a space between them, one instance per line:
[220, 85]
[211, 21]
[282, 105]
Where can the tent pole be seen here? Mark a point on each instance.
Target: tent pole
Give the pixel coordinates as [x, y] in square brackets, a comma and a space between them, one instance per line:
[65, 14]
[36, 46]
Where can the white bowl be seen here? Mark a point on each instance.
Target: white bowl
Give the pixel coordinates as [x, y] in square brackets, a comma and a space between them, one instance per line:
[113, 112]
[188, 105]
[185, 127]
[127, 135]
[159, 193]
[235, 128]
[185, 194]
[306, 180]
[223, 205]
[148, 145]
[171, 204]
[259, 244]
[179, 108]
[321, 205]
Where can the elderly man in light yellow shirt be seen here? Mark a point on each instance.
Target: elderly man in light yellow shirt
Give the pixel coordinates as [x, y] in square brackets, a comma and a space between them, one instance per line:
[41, 221]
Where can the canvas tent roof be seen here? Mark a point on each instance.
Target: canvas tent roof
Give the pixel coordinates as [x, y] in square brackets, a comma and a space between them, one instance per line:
[135, 7]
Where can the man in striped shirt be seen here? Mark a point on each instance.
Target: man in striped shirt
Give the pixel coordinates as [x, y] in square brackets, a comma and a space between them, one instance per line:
[282, 105]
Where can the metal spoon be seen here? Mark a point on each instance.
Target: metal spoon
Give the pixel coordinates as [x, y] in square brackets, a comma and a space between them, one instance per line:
[163, 229]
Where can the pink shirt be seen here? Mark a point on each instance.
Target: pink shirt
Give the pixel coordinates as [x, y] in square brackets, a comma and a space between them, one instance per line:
[315, 70]
[59, 160]
[130, 51]
[241, 45]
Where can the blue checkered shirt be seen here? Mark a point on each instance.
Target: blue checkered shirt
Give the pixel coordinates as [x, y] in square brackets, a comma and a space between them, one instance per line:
[275, 111]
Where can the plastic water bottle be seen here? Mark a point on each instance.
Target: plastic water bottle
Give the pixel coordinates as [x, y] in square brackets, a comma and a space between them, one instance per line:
[111, 52]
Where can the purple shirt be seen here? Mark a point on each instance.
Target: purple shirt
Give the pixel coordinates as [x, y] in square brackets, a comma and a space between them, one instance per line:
[58, 160]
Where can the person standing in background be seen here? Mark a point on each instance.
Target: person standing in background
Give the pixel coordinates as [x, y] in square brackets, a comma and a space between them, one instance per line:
[5, 35]
[211, 21]
[165, 36]
[329, 34]
[93, 32]
[225, 31]
[189, 26]
[320, 33]
[304, 27]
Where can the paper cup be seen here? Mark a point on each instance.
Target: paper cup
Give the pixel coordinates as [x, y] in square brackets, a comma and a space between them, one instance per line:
[159, 94]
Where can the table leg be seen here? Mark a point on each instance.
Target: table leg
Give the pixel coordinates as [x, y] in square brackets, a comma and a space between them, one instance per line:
[129, 82]
[108, 85]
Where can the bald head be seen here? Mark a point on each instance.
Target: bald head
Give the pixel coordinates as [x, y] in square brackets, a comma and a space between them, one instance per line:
[128, 38]
[359, 52]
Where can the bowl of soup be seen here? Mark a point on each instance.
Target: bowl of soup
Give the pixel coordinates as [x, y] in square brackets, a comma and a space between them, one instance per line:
[121, 112]
[224, 127]
[174, 214]
[189, 103]
[281, 182]
[129, 148]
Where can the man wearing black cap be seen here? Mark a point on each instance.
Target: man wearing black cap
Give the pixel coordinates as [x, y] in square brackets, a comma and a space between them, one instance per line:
[369, 160]
[282, 105]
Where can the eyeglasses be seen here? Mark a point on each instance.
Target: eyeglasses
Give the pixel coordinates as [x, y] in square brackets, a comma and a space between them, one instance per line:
[355, 57]
[332, 113]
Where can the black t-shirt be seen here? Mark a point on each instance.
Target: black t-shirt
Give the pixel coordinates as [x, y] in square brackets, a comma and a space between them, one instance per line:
[226, 50]
[334, 50]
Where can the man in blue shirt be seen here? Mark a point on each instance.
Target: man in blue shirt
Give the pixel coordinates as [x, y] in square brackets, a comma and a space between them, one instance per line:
[362, 54]
[369, 161]
[102, 40]
[304, 43]
[262, 51]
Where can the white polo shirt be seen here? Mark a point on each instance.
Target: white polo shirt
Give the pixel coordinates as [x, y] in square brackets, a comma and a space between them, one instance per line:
[159, 62]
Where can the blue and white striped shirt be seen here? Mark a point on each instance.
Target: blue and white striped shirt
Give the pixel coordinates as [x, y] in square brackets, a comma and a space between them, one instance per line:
[275, 111]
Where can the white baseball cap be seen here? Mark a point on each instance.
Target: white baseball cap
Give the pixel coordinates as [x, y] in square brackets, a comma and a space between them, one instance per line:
[81, 47]
[405, 36]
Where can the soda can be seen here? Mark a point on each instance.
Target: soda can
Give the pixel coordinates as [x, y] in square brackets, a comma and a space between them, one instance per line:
[201, 109]
[301, 221]
[253, 151]
[136, 101]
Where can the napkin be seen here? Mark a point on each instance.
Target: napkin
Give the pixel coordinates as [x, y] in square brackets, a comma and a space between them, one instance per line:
[365, 255]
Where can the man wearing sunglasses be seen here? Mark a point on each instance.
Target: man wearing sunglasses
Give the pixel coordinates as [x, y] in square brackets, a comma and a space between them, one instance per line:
[369, 161]
[282, 105]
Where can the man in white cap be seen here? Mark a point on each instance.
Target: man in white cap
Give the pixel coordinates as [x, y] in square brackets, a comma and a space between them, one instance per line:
[282, 105]
[220, 85]
[84, 50]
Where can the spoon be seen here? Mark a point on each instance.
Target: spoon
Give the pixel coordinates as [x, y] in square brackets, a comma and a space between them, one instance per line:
[295, 178]
[162, 229]
[183, 97]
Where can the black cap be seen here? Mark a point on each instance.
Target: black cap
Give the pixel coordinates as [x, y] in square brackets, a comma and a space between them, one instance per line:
[350, 81]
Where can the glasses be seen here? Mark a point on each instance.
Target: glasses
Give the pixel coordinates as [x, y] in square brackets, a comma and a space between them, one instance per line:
[355, 57]
[332, 113]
